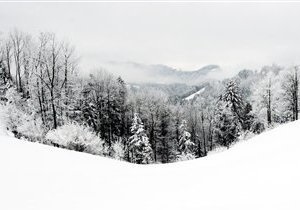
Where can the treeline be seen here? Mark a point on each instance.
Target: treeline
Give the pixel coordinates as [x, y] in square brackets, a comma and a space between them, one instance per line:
[48, 100]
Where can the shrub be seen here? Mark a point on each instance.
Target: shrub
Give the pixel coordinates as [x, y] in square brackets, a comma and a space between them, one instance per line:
[77, 137]
[257, 127]
[185, 156]
[20, 120]
[118, 150]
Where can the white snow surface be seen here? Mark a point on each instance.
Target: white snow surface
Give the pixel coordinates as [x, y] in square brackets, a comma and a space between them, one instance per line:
[192, 96]
[259, 174]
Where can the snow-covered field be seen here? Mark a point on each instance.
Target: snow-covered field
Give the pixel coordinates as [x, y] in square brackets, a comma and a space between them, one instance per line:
[262, 173]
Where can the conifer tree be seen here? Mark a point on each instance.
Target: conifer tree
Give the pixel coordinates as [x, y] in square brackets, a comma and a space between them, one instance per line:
[186, 147]
[291, 93]
[233, 99]
[248, 117]
[139, 145]
[227, 126]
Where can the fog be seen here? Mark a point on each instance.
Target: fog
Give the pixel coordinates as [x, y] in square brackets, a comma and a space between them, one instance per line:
[185, 36]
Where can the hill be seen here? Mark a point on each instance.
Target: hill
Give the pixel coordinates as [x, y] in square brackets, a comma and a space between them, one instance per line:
[261, 173]
[160, 74]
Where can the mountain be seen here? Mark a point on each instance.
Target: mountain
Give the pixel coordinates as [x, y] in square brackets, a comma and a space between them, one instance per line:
[260, 173]
[160, 74]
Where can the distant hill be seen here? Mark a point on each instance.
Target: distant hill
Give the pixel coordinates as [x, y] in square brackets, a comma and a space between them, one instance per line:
[160, 74]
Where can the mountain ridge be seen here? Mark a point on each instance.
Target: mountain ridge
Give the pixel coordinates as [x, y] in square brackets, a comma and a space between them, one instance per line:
[159, 73]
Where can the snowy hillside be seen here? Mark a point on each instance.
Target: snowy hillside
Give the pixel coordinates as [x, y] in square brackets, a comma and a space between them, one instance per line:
[192, 96]
[262, 173]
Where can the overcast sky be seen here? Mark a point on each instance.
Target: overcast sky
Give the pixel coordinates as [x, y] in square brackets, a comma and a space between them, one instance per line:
[182, 35]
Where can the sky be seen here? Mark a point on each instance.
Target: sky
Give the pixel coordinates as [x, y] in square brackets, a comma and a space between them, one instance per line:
[184, 36]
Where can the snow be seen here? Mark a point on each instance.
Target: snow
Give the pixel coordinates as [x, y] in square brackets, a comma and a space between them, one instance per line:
[261, 173]
[195, 94]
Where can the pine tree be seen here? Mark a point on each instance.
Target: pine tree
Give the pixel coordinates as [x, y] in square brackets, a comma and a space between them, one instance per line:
[233, 99]
[230, 116]
[165, 143]
[4, 82]
[139, 145]
[291, 93]
[248, 117]
[227, 126]
[104, 106]
[3, 75]
[122, 117]
[185, 147]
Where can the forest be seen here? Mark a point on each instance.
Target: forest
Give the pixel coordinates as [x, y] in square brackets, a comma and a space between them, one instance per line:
[46, 98]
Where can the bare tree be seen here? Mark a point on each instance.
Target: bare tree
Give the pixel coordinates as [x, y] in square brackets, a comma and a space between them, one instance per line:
[38, 70]
[7, 56]
[17, 40]
[50, 69]
[52, 73]
[69, 65]
[27, 63]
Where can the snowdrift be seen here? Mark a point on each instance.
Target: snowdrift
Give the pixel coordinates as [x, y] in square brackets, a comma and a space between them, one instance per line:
[261, 173]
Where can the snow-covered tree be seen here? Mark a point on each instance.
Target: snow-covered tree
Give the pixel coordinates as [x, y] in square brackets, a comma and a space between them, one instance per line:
[104, 105]
[139, 146]
[290, 85]
[3, 73]
[118, 150]
[165, 142]
[151, 104]
[22, 118]
[233, 100]
[227, 125]
[6, 56]
[266, 98]
[185, 146]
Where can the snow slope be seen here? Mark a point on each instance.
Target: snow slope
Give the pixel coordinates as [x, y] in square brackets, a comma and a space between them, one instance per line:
[259, 174]
[190, 97]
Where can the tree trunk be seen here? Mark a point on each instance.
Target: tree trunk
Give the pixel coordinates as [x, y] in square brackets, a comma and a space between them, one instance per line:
[269, 110]
[203, 134]
[296, 95]
[53, 110]
[8, 62]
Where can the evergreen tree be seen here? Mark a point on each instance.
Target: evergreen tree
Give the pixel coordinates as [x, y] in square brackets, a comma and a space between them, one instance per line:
[248, 117]
[104, 106]
[139, 145]
[3, 75]
[4, 82]
[185, 147]
[121, 109]
[230, 116]
[233, 99]
[227, 126]
[291, 93]
[165, 142]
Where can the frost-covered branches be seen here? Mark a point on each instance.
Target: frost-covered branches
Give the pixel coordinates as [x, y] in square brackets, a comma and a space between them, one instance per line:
[139, 146]
[46, 100]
